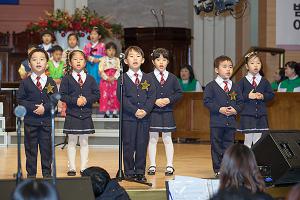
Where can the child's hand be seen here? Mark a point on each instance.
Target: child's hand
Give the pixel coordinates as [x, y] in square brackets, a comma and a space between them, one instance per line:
[80, 101]
[84, 100]
[96, 60]
[259, 95]
[111, 79]
[230, 111]
[159, 103]
[223, 110]
[166, 101]
[91, 58]
[141, 114]
[138, 113]
[252, 94]
[39, 110]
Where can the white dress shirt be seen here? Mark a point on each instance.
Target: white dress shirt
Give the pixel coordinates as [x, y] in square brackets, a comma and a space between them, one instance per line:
[76, 77]
[43, 79]
[131, 75]
[221, 83]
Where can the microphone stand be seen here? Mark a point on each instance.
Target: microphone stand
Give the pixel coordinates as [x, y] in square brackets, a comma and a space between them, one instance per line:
[120, 174]
[54, 98]
[155, 15]
[162, 14]
[20, 111]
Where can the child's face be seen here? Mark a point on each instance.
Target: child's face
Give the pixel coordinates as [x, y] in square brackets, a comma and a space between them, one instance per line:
[111, 52]
[276, 75]
[57, 55]
[38, 63]
[254, 65]
[72, 41]
[289, 72]
[95, 37]
[225, 69]
[184, 74]
[47, 38]
[78, 62]
[134, 60]
[160, 63]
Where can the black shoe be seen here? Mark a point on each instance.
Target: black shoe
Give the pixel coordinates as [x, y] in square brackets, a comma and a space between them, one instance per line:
[106, 115]
[151, 170]
[217, 174]
[115, 116]
[141, 178]
[81, 173]
[47, 176]
[71, 173]
[31, 176]
[169, 171]
[130, 177]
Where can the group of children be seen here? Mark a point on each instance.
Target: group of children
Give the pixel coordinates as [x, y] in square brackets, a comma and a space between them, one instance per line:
[225, 100]
[148, 101]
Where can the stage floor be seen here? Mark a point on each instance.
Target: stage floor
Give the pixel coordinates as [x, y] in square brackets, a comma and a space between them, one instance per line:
[189, 160]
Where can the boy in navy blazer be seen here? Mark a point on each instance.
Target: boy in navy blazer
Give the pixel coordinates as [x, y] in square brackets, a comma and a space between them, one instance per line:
[139, 96]
[224, 100]
[34, 94]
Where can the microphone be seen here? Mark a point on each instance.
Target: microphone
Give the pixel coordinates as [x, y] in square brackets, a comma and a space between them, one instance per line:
[162, 14]
[155, 15]
[20, 111]
[55, 97]
[122, 56]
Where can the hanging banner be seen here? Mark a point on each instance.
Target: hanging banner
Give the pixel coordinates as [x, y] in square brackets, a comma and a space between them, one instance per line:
[288, 24]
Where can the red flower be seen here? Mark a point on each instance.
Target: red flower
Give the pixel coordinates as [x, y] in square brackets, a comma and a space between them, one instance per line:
[63, 34]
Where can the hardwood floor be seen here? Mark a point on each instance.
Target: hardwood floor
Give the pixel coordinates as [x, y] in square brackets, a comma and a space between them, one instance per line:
[189, 160]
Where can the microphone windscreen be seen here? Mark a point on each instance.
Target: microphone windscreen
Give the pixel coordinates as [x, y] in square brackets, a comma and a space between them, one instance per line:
[20, 111]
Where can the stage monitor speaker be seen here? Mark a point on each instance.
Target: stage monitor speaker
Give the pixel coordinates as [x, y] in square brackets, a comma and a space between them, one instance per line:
[68, 188]
[281, 151]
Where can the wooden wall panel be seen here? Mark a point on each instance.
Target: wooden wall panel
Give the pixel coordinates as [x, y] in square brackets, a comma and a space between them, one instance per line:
[16, 17]
[192, 118]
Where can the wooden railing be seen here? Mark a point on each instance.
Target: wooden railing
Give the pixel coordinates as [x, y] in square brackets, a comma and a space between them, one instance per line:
[192, 118]
[272, 51]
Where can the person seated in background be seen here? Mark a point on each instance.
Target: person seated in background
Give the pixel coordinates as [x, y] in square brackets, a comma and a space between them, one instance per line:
[104, 187]
[292, 72]
[239, 175]
[187, 80]
[294, 193]
[279, 76]
[33, 190]
[25, 69]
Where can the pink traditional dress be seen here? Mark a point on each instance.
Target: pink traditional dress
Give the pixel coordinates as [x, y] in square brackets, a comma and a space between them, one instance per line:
[109, 67]
[95, 50]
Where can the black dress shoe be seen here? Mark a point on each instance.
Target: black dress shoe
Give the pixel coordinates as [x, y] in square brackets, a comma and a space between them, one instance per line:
[130, 177]
[71, 173]
[141, 178]
[47, 176]
[106, 115]
[31, 176]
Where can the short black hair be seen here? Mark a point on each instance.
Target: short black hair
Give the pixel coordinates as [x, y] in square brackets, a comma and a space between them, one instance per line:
[38, 50]
[190, 69]
[99, 178]
[111, 45]
[134, 48]
[73, 34]
[160, 51]
[55, 48]
[293, 65]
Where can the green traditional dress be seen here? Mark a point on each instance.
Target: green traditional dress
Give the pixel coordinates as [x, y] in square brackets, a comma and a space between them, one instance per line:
[56, 70]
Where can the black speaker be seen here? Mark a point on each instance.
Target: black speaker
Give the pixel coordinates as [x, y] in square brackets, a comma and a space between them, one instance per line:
[68, 188]
[281, 151]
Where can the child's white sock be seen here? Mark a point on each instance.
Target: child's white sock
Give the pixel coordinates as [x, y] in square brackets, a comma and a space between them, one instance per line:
[167, 139]
[72, 141]
[84, 151]
[152, 147]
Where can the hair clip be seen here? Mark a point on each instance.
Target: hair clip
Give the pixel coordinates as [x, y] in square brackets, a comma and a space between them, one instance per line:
[251, 54]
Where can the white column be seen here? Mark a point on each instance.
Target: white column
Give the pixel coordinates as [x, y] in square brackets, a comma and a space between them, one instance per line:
[70, 6]
[59, 4]
[81, 3]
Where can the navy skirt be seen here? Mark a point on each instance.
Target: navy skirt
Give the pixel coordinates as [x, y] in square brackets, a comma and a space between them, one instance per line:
[162, 122]
[73, 125]
[252, 124]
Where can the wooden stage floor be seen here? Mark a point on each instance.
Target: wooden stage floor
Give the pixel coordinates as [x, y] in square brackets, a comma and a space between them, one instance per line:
[189, 160]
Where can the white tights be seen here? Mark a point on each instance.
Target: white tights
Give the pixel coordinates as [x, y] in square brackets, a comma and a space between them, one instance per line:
[167, 139]
[84, 151]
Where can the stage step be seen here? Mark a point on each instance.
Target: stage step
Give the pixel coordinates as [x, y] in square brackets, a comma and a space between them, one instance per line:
[106, 132]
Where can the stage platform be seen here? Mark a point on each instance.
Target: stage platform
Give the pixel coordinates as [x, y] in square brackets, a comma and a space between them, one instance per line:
[189, 160]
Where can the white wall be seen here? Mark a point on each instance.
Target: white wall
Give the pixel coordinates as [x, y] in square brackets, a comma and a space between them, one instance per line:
[213, 36]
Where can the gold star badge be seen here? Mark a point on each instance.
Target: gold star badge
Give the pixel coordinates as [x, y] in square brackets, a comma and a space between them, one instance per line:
[49, 88]
[233, 95]
[145, 85]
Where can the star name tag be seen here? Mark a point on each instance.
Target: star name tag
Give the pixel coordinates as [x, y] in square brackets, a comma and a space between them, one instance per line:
[49, 88]
[233, 95]
[145, 85]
